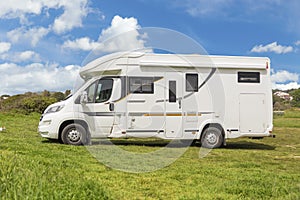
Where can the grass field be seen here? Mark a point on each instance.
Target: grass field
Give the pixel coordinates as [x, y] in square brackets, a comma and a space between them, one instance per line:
[35, 168]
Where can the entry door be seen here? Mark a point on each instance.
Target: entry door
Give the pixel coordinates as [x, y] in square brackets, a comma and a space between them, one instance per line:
[174, 104]
[96, 109]
[253, 116]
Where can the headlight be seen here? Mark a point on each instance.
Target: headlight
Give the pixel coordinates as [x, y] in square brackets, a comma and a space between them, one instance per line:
[54, 109]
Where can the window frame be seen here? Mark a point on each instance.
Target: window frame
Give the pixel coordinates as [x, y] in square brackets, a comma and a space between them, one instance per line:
[140, 88]
[172, 91]
[189, 87]
[96, 90]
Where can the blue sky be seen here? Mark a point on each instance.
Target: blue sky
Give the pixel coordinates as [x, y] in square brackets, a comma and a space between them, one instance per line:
[43, 43]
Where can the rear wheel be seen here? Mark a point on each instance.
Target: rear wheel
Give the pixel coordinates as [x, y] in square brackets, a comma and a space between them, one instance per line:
[212, 138]
[74, 134]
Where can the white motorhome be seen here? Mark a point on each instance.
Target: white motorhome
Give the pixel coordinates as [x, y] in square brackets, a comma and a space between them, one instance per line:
[169, 96]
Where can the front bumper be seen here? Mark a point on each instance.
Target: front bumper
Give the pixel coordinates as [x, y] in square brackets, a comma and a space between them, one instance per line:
[48, 127]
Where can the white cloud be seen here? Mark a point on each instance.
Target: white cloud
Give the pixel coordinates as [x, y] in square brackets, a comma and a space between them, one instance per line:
[33, 35]
[85, 44]
[25, 56]
[297, 43]
[284, 80]
[284, 76]
[121, 35]
[36, 77]
[16, 8]
[272, 47]
[119, 25]
[74, 12]
[288, 86]
[4, 47]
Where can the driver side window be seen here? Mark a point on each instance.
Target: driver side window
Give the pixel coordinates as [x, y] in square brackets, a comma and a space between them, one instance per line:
[99, 91]
[104, 90]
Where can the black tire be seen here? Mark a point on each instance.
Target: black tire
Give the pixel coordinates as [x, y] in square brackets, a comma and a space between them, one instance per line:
[74, 134]
[212, 138]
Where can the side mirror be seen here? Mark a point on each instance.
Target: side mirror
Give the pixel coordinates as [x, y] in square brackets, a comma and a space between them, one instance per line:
[83, 97]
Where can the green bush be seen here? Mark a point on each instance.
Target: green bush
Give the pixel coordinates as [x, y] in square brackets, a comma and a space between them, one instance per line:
[59, 96]
[36, 103]
[30, 102]
[296, 98]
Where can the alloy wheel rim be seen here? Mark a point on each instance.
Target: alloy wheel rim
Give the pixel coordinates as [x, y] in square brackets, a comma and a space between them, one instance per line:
[74, 135]
[211, 138]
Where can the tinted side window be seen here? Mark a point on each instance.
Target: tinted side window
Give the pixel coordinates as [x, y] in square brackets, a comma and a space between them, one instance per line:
[142, 85]
[172, 91]
[191, 84]
[248, 77]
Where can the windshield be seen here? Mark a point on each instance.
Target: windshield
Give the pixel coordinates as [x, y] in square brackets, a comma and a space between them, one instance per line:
[78, 84]
[70, 95]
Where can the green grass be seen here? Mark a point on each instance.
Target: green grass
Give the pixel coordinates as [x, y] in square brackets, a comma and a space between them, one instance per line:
[291, 118]
[34, 168]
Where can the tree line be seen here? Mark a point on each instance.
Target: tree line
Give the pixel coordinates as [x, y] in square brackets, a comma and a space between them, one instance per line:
[284, 104]
[31, 102]
[38, 102]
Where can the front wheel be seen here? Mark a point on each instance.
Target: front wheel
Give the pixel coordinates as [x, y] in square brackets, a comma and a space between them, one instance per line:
[212, 138]
[74, 134]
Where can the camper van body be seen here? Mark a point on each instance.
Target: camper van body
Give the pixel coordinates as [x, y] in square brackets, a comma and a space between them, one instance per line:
[168, 96]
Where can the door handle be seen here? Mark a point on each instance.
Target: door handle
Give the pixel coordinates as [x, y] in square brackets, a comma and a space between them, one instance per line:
[179, 103]
[111, 106]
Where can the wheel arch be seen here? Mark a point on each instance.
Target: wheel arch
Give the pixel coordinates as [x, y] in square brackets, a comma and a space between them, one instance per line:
[72, 121]
[211, 124]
